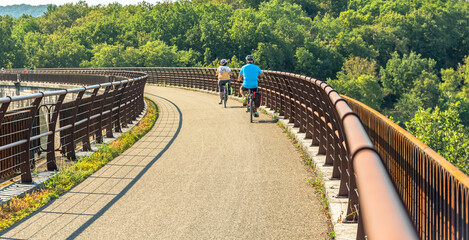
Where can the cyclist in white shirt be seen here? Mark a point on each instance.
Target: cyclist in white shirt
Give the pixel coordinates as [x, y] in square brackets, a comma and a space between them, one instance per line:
[224, 73]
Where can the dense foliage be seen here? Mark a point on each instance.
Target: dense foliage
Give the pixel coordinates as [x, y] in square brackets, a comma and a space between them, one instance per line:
[442, 131]
[20, 9]
[396, 56]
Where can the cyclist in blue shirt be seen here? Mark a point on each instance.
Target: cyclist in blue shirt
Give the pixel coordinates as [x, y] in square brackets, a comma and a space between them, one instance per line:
[250, 73]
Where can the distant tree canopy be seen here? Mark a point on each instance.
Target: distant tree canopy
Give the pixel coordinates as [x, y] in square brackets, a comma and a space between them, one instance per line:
[396, 56]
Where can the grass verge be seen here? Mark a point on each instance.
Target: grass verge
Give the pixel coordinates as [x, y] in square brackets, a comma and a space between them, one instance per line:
[18, 208]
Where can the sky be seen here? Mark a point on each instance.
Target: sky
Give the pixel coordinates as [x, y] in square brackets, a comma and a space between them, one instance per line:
[61, 2]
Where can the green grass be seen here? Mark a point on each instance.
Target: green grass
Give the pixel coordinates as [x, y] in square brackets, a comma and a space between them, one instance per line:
[68, 177]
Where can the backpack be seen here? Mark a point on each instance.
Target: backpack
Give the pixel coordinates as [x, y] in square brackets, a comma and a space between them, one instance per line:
[257, 98]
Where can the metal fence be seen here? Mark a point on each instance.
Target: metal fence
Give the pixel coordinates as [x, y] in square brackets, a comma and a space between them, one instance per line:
[433, 190]
[63, 120]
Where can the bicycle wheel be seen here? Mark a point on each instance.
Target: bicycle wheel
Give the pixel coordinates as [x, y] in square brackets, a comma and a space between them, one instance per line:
[251, 106]
[225, 95]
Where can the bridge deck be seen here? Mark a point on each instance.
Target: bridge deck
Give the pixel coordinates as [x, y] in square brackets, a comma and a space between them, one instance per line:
[203, 172]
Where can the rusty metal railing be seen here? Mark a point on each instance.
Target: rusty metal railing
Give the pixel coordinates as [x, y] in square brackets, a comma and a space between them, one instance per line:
[36, 123]
[433, 190]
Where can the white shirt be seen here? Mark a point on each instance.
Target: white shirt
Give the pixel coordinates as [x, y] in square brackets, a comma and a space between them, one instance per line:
[223, 73]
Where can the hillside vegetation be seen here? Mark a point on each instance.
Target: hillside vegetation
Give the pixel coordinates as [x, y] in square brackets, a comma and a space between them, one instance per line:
[18, 10]
[407, 59]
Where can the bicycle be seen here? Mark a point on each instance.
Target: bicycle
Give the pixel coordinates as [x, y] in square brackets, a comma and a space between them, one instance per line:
[251, 104]
[226, 89]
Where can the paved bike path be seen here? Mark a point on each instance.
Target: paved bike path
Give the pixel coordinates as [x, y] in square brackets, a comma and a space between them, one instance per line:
[203, 172]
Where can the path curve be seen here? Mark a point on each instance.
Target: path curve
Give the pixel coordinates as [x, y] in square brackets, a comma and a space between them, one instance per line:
[203, 172]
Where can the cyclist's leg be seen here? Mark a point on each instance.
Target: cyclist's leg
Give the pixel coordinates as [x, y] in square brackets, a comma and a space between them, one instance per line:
[220, 89]
[244, 90]
[225, 88]
[229, 86]
[254, 90]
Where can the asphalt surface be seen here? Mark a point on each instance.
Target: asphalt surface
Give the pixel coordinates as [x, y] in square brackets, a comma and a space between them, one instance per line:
[203, 172]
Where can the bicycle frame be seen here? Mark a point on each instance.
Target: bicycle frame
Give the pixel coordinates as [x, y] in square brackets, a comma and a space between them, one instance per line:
[225, 93]
[251, 96]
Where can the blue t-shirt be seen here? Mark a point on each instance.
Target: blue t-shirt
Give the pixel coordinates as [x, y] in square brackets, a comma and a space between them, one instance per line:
[250, 72]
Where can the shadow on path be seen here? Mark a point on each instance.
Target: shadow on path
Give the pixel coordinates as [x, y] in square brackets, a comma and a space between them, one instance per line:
[43, 213]
[132, 183]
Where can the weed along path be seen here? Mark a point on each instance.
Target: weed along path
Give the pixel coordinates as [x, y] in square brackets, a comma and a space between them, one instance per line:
[202, 172]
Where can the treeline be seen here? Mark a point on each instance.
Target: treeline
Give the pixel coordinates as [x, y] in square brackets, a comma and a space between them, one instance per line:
[20, 9]
[407, 59]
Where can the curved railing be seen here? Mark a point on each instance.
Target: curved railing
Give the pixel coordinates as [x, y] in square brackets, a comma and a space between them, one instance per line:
[433, 190]
[49, 122]
[397, 187]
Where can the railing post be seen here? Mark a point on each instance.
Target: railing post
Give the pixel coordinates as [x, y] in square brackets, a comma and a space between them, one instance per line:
[99, 131]
[309, 111]
[110, 103]
[51, 162]
[127, 108]
[119, 110]
[86, 140]
[3, 110]
[26, 154]
[70, 140]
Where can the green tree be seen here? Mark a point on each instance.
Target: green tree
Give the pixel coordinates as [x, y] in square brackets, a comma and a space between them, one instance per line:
[158, 54]
[425, 93]
[455, 89]
[190, 58]
[62, 17]
[33, 44]
[317, 60]
[358, 80]
[245, 24]
[284, 25]
[442, 131]
[212, 30]
[400, 73]
[105, 55]
[7, 44]
[269, 56]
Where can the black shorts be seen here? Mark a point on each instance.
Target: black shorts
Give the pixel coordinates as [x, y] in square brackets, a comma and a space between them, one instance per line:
[246, 89]
[257, 95]
[222, 83]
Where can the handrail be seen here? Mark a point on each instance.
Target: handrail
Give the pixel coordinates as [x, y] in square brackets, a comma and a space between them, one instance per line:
[435, 192]
[21, 131]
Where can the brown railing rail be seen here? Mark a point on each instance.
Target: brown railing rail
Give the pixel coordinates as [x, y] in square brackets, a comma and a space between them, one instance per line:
[38, 123]
[433, 190]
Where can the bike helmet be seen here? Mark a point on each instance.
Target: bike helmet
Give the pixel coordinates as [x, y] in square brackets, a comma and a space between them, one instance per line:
[223, 62]
[249, 58]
